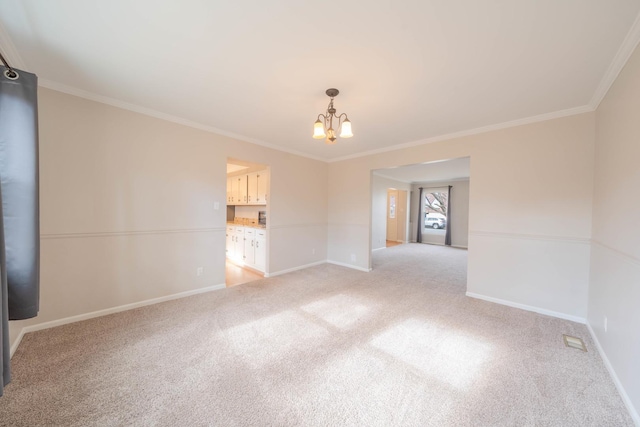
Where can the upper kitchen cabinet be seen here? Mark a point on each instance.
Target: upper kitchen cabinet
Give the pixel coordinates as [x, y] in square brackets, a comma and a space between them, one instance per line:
[237, 190]
[257, 188]
[248, 189]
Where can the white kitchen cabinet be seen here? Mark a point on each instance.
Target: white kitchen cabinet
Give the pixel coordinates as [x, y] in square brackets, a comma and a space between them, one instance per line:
[247, 246]
[235, 242]
[249, 256]
[241, 189]
[231, 242]
[261, 250]
[262, 185]
[229, 191]
[237, 190]
[250, 189]
[257, 188]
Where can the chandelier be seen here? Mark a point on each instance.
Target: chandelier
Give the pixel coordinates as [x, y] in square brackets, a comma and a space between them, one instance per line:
[323, 127]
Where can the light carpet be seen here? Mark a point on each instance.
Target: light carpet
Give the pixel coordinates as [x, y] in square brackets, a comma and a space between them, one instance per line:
[324, 346]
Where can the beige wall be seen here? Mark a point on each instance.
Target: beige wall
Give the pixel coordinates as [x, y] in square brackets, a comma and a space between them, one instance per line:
[127, 212]
[614, 290]
[529, 210]
[127, 207]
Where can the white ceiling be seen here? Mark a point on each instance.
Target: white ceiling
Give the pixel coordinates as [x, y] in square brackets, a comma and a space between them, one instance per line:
[448, 170]
[407, 71]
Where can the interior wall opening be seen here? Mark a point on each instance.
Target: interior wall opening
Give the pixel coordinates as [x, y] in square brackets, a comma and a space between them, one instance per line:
[437, 205]
[246, 250]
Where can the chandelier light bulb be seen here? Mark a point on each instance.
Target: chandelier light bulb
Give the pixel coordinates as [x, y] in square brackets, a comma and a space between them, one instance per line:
[318, 130]
[346, 129]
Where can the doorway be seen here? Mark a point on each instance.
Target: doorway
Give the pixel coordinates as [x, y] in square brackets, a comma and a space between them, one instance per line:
[396, 217]
[246, 250]
[451, 177]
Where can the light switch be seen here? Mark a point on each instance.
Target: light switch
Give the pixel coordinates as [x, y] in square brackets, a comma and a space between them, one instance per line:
[216, 206]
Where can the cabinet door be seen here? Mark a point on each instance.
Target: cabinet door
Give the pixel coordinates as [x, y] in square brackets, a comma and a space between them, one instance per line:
[242, 189]
[238, 243]
[261, 252]
[252, 188]
[262, 178]
[249, 250]
[229, 191]
[231, 242]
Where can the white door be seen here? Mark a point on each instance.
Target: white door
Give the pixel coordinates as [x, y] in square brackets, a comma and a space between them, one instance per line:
[392, 215]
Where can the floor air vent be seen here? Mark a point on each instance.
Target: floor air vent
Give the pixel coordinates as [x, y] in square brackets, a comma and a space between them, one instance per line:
[574, 342]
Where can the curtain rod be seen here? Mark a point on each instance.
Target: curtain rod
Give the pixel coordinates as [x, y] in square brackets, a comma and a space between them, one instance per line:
[10, 73]
[440, 186]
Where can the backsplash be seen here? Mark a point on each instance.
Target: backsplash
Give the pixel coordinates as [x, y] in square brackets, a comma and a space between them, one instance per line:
[248, 211]
[250, 222]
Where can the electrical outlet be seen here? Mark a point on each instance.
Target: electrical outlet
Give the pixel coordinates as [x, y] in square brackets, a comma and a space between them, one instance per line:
[199, 271]
[216, 206]
[353, 257]
[313, 251]
[605, 323]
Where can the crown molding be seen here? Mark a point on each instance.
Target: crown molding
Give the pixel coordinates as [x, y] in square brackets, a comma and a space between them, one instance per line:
[9, 50]
[475, 131]
[59, 87]
[619, 61]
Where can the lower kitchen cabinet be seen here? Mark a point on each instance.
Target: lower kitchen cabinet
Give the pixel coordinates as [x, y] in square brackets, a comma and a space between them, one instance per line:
[261, 250]
[247, 246]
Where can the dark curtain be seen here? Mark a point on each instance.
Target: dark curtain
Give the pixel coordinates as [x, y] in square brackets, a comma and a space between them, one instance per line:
[420, 219]
[19, 193]
[447, 236]
[5, 355]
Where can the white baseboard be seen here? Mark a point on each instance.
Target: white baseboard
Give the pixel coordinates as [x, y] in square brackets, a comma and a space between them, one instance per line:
[529, 308]
[355, 267]
[15, 345]
[290, 270]
[107, 311]
[623, 394]
[378, 249]
[459, 247]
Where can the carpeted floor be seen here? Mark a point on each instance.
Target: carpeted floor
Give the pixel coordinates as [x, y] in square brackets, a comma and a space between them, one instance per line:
[325, 346]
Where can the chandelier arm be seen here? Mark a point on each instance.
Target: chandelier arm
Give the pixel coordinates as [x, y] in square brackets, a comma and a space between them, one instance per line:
[340, 119]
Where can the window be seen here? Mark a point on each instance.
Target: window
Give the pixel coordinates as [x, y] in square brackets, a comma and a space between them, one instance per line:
[435, 210]
[392, 206]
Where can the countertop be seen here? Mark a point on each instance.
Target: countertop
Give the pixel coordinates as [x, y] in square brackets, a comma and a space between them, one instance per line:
[247, 225]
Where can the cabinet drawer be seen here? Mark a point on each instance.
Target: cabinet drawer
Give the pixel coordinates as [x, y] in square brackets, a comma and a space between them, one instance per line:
[261, 233]
[249, 232]
[239, 230]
